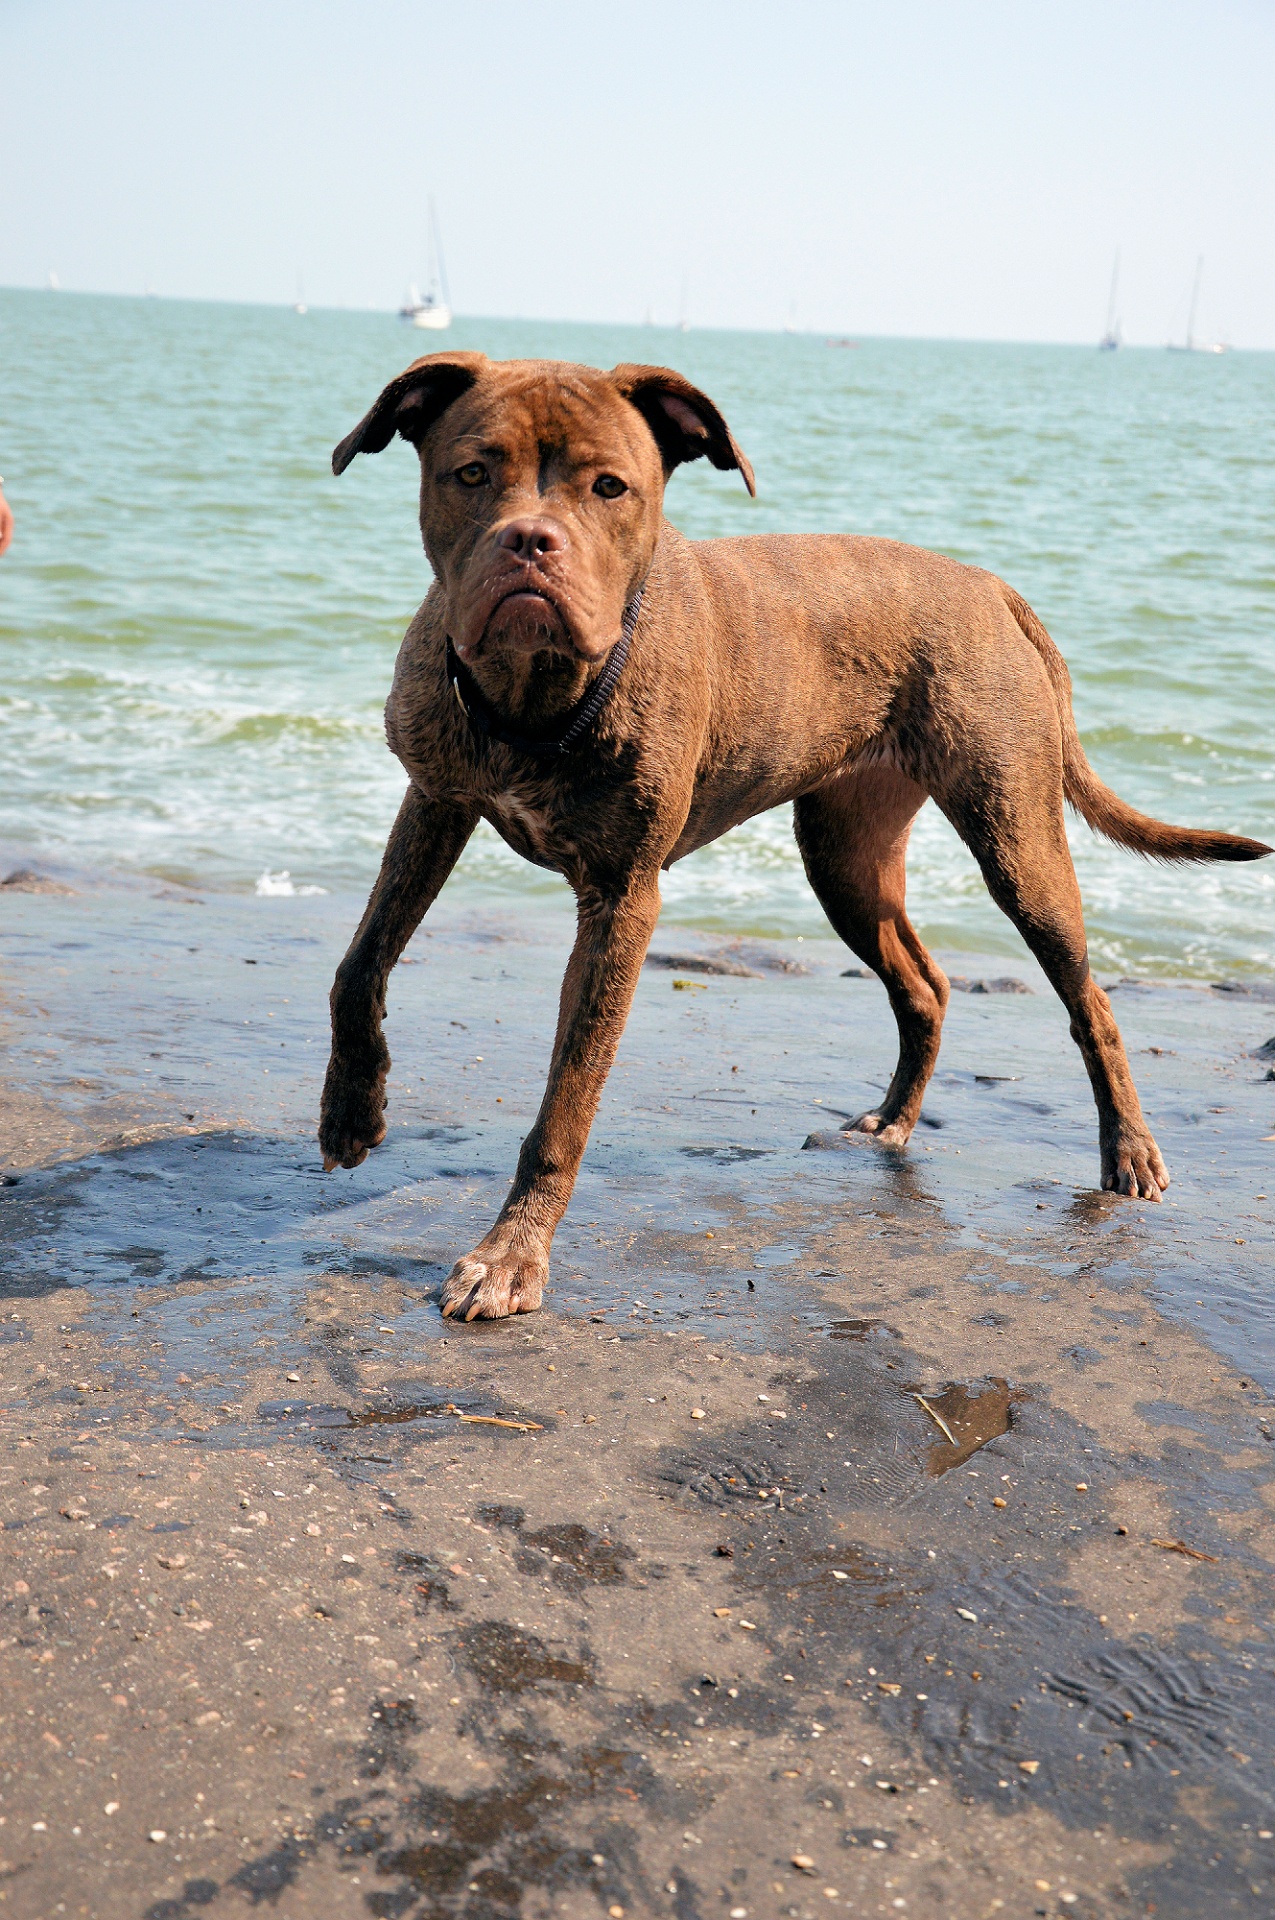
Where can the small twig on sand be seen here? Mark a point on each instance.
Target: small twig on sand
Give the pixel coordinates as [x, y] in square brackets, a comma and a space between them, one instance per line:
[493, 1420]
[936, 1417]
[1180, 1546]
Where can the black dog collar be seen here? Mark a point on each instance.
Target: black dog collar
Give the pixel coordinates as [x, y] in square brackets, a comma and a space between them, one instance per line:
[486, 724]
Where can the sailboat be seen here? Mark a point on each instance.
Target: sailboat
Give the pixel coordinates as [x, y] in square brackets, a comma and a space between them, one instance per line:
[433, 308]
[1191, 344]
[1111, 338]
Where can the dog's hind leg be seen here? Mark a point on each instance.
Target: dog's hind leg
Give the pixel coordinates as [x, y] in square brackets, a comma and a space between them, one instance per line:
[853, 835]
[1010, 815]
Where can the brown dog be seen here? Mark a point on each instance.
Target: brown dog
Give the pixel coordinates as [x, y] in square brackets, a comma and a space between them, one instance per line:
[611, 696]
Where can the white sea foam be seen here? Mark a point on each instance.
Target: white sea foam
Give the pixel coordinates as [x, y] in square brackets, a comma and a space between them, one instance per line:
[281, 886]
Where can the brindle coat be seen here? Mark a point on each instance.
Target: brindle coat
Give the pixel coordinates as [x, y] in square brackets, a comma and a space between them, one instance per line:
[855, 677]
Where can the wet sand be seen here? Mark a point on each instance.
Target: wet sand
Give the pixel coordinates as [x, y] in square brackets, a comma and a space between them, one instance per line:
[848, 1584]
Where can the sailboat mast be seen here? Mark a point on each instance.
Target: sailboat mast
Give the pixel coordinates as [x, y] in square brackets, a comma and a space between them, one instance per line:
[438, 267]
[1195, 301]
[1111, 338]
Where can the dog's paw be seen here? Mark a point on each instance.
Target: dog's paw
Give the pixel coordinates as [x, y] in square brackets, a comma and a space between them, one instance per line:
[883, 1132]
[1134, 1166]
[351, 1117]
[495, 1281]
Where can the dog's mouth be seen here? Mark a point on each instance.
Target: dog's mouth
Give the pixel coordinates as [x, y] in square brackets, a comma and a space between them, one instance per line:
[529, 619]
[527, 594]
[525, 610]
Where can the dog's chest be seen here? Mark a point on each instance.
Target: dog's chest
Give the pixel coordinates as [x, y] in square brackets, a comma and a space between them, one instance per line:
[522, 819]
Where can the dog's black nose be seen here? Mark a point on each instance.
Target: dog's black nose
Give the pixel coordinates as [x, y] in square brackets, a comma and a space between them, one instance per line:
[530, 538]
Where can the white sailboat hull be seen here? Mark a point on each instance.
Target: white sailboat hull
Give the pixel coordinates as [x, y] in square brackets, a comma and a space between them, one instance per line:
[432, 319]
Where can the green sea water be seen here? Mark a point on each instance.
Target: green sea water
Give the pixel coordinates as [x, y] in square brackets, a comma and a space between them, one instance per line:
[198, 623]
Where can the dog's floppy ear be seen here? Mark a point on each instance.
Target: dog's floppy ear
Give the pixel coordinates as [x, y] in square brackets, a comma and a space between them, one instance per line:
[411, 404]
[684, 421]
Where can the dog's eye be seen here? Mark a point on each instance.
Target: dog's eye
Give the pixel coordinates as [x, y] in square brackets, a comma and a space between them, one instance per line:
[610, 486]
[472, 474]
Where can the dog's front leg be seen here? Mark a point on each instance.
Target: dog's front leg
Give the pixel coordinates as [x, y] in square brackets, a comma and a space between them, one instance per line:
[425, 843]
[508, 1268]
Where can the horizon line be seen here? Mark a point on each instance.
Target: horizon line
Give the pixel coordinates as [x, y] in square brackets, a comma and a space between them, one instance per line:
[850, 336]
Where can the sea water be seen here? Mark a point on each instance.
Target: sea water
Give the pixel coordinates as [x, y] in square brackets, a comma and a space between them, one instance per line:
[198, 623]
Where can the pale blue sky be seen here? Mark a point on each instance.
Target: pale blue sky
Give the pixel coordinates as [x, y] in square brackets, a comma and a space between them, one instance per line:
[953, 170]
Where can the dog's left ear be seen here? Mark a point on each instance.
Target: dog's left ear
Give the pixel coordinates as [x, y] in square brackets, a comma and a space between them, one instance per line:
[684, 421]
[411, 404]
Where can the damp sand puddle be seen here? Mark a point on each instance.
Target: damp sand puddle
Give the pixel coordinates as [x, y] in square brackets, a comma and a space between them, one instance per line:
[202, 1025]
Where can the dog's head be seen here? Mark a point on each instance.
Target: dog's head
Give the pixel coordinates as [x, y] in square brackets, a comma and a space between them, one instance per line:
[542, 486]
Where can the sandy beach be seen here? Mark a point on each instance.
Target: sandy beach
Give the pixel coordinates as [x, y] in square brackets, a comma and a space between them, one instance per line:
[850, 1533]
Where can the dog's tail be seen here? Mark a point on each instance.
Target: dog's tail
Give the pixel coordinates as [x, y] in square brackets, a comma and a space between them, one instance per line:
[1105, 811]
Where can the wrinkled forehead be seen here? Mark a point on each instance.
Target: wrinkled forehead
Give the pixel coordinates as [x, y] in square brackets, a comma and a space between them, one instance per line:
[533, 407]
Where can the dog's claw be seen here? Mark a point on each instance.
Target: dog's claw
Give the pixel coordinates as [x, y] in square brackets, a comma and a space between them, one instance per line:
[494, 1286]
[1135, 1169]
[352, 1153]
[883, 1132]
[351, 1119]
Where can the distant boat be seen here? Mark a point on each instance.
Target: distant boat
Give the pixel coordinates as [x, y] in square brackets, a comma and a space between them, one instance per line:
[433, 308]
[1191, 344]
[1111, 339]
[299, 305]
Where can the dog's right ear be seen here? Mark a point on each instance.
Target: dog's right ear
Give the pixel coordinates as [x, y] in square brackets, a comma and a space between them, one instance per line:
[411, 404]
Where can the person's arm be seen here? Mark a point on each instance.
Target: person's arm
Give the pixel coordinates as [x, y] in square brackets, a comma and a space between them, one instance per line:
[6, 519]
